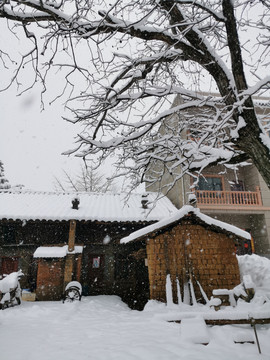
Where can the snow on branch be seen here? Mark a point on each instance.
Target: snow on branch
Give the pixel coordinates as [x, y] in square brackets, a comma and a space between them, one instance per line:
[133, 73]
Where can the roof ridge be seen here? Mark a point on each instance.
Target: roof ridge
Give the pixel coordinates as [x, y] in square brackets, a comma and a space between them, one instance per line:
[72, 193]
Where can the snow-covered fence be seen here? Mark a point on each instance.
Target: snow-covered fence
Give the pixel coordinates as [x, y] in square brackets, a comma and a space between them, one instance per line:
[10, 290]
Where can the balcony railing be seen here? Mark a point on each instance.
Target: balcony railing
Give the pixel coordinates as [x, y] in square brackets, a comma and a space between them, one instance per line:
[231, 198]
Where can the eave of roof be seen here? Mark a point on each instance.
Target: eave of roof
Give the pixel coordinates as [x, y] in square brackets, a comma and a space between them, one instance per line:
[107, 207]
[180, 214]
[55, 251]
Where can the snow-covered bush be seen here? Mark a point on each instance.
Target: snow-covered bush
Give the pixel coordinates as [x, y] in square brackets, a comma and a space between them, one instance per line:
[258, 268]
[10, 290]
[10, 281]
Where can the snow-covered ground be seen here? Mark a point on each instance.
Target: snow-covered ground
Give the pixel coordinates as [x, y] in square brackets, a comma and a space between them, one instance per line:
[103, 327]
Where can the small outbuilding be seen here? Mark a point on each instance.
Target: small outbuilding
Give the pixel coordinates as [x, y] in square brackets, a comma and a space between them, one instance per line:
[193, 252]
[56, 266]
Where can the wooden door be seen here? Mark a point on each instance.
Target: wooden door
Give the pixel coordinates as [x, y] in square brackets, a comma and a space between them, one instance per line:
[9, 265]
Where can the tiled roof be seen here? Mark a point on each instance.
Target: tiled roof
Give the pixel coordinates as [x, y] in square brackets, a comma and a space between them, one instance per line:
[178, 215]
[27, 205]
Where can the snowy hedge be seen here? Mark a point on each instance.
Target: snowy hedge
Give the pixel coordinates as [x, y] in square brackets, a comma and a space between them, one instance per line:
[259, 270]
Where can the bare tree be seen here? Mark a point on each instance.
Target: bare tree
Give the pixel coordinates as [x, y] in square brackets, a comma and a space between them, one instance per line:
[127, 60]
[4, 183]
[88, 180]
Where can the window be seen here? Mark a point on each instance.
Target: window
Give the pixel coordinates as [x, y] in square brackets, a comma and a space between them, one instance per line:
[210, 183]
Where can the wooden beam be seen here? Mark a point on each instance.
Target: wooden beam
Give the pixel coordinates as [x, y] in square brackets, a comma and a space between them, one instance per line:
[69, 260]
[71, 235]
[231, 322]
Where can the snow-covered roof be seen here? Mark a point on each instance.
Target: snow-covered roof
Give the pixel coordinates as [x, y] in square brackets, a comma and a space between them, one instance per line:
[27, 205]
[55, 251]
[178, 215]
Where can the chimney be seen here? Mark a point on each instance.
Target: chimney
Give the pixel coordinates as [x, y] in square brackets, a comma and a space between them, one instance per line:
[144, 201]
[75, 203]
[192, 200]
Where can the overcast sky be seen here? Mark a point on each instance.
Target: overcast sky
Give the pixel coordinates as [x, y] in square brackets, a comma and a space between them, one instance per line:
[32, 141]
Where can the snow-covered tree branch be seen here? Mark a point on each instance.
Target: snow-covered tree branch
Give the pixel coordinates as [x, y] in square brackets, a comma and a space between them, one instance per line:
[125, 62]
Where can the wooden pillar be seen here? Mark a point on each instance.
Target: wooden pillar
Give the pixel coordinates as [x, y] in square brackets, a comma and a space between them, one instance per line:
[71, 236]
[69, 263]
[68, 269]
[78, 267]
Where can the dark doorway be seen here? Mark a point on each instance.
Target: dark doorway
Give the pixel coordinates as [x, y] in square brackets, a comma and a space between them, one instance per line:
[142, 284]
[96, 273]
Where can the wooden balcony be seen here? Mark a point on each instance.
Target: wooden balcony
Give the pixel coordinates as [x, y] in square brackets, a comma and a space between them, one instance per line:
[233, 199]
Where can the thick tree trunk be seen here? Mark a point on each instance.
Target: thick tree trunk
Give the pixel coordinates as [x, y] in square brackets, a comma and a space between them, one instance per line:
[259, 154]
[253, 145]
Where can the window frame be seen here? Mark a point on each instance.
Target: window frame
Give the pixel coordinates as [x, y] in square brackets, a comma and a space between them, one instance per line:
[205, 176]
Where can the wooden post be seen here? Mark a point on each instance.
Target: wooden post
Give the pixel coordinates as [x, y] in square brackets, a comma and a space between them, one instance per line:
[253, 324]
[68, 269]
[68, 272]
[71, 237]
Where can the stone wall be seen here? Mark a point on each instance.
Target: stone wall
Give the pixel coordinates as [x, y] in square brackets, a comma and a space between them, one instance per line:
[189, 251]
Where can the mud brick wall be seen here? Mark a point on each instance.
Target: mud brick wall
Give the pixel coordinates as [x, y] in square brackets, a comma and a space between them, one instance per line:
[50, 279]
[191, 251]
[51, 276]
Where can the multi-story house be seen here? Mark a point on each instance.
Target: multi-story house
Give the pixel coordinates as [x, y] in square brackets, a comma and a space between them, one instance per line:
[239, 197]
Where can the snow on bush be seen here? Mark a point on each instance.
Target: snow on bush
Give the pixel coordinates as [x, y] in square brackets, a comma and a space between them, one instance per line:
[258, 268]
[10, 282]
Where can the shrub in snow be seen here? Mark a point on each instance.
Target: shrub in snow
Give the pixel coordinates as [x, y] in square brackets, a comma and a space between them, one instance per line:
[10, 290]
[10, 281]
[255, 270]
